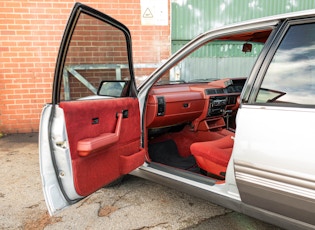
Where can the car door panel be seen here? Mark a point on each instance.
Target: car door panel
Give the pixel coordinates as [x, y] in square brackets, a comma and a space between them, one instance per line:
[273, 170]
[274, 147]
[91, 172]
[88, 139]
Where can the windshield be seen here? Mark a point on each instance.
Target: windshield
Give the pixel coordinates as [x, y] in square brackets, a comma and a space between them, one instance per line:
[215, 60]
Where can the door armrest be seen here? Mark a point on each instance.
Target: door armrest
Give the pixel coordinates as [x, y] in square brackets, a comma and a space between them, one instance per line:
[89, 145]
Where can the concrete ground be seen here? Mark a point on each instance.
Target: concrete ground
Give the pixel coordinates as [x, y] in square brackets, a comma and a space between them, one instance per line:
[133, 204]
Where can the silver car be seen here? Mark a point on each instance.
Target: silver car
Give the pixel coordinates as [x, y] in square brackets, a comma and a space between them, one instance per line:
[229, 117]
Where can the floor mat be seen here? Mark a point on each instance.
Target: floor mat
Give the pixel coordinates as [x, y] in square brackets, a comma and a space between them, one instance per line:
[166, 152]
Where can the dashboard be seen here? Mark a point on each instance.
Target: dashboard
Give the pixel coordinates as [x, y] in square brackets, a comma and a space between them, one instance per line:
[204, 105]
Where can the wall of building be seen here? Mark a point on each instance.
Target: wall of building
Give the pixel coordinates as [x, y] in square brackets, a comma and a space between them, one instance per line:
[30, 34]
[190, 17]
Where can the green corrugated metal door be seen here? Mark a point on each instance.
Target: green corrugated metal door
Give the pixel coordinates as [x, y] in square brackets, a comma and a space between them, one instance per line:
[192, 17]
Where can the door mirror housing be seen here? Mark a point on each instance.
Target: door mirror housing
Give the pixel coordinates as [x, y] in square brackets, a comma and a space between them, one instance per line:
[112, 88]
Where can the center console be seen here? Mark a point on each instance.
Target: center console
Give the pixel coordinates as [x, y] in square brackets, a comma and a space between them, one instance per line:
[217, 105]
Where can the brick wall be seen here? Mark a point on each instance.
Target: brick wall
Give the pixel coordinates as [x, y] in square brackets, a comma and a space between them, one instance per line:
[30, 34]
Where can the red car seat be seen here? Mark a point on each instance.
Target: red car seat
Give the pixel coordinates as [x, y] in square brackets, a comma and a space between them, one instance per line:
[213, 156]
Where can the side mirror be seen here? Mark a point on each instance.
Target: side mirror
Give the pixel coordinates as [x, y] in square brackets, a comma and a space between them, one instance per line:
[247, 47]
[112, 88]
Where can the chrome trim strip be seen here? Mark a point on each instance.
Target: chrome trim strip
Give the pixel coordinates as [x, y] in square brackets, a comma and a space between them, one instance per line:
[286, 181]
[278, 108]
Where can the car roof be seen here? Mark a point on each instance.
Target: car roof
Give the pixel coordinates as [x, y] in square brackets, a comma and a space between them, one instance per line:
[259, 36]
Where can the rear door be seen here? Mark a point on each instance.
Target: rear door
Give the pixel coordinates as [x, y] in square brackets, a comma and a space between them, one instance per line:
[274, 151]
[90, 133]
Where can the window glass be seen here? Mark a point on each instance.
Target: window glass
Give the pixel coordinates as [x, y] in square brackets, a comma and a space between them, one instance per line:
[215, 60]
[290, 77]
[211, 61]
[97, 52]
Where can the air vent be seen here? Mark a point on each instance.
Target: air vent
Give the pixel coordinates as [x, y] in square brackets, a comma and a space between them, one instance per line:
[214, 91]
[231, 89]
[235, 89]
[231, 100]
[161, 106]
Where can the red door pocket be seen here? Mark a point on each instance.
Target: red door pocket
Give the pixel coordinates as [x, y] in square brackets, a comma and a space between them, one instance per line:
[130, 162]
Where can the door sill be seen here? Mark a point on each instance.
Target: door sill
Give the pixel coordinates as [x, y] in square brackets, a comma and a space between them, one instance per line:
[196, 177]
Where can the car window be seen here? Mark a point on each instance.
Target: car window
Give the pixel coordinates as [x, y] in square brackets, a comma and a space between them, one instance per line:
[215, 60]
[290, 77]
[97, 53]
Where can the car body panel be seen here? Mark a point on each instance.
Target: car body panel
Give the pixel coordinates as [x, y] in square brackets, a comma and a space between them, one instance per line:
[53, 193]
[268, 175]
[273, 145]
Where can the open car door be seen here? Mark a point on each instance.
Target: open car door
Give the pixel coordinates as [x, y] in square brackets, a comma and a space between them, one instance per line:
[90, 133]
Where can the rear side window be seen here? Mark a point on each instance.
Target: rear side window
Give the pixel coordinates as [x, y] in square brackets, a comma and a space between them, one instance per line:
[290, 78]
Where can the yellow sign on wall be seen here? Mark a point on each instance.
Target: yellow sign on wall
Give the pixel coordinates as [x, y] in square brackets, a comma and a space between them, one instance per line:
[154, 12]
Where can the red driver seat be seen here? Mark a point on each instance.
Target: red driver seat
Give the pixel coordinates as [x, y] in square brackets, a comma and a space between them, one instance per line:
[213, 156]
